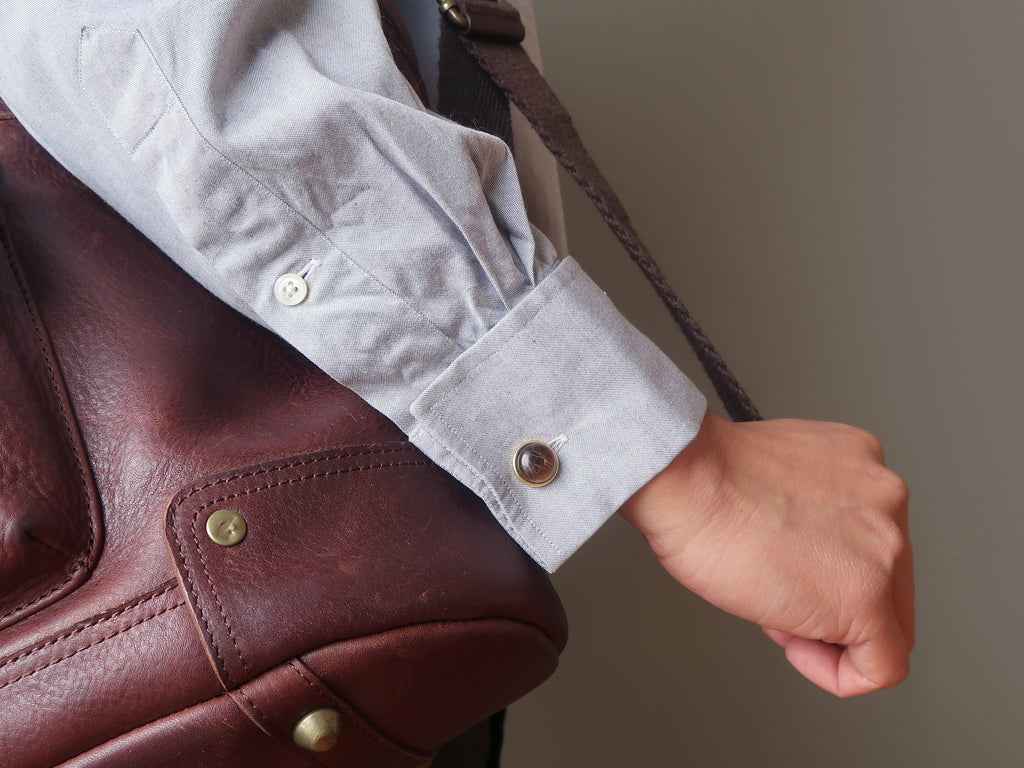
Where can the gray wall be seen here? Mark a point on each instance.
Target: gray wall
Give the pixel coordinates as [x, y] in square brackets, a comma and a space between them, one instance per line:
[837, 191]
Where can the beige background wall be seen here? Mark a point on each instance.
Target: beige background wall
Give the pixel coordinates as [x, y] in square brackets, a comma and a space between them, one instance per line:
[837, 189]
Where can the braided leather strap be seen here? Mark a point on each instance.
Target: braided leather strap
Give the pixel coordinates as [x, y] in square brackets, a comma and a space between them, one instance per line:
[491, 32]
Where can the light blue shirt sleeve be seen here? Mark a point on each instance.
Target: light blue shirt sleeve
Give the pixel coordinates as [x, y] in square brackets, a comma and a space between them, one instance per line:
[260, 139]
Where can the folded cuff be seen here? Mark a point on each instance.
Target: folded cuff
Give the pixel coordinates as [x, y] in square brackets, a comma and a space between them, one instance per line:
[565, 368]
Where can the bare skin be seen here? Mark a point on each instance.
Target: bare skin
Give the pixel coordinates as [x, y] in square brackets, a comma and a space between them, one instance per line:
[798, 527]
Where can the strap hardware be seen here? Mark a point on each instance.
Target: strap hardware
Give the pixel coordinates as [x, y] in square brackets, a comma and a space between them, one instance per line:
[510, 68]
[484, 19]
[449, 9]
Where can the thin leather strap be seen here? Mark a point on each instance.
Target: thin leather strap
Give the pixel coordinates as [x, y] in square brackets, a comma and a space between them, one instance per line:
[502, 58]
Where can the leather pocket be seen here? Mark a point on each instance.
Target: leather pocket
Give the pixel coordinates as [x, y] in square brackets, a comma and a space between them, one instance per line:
[50, 532]
[344, 543]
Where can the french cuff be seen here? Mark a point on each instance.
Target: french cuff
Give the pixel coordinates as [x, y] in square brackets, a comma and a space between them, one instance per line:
[566, 370]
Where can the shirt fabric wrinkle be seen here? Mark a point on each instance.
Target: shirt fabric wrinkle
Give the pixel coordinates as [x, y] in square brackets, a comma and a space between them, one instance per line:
[249, 139]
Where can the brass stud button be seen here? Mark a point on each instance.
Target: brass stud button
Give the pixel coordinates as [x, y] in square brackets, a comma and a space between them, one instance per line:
[318, 730]
[536, 463]
[226, 527]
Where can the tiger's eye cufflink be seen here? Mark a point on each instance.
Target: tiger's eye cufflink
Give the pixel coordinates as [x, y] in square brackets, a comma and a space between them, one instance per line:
[536, 463]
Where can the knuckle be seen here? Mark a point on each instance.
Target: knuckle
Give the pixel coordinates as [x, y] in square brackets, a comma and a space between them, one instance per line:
[872, 443]
[894, 490]
[867, 441]
[891, 545]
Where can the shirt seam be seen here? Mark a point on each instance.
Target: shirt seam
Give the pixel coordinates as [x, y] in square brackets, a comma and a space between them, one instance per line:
[485, 490]
[559, 290]
[254, 179]
[501, 481]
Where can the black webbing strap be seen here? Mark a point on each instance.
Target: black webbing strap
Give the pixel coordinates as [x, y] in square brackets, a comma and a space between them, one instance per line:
[466, 94]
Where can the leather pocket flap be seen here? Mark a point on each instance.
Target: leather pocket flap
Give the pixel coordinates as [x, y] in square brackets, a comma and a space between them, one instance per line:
[343, 544]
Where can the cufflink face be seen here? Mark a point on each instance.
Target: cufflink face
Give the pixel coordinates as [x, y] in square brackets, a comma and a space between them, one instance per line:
[536, 463]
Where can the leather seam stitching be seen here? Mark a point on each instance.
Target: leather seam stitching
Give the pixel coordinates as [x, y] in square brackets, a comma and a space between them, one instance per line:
[246, 492]
[95, 643]
[354, 717]
[254, 708]
[213, 589]
[193, 589]
[120, 611]
[217, 696]
[311, 476]
[80, 563]
[267, 723]
[403, 447]
[194, 592]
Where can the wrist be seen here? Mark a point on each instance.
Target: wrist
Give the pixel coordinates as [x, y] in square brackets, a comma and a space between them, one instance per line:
[691, 483]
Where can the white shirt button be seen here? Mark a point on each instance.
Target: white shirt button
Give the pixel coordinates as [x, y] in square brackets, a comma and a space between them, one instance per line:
[290, 289]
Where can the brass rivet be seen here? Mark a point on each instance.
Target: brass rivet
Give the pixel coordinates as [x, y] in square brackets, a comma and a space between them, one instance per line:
[536, 463]
[318, 730]
[226, 527]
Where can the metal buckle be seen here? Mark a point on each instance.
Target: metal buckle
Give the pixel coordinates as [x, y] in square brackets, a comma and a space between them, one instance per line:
[449, 9]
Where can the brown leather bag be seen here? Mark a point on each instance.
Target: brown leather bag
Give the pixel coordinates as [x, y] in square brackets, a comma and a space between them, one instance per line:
[204, 538]
[212, 553]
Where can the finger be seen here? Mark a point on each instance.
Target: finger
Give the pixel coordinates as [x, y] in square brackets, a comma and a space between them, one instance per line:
[883, 660]
[780, 637]
[821, 663]
[828, 666]
[903, 596]
[817, 661]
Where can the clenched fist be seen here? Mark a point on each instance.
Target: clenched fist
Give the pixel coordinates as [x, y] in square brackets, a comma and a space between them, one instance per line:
[799, 527]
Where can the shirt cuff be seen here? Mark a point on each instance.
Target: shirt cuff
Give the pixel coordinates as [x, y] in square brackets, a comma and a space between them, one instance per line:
[565, 368]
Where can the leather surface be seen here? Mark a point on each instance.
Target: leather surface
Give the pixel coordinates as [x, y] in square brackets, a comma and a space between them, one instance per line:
[178, 402]
[364, 570]
[491, 20]
[212, 734]
[376, 669]
[50, 529]
[271, 700]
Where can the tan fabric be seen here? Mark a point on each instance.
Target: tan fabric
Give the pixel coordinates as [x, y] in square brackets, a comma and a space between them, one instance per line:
[538, 172]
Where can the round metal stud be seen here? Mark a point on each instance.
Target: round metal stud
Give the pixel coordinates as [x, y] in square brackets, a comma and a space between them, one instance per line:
[226, 527]
[536, 463]
[318, 730]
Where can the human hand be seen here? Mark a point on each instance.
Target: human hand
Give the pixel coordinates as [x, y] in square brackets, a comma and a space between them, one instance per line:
[798, 527]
